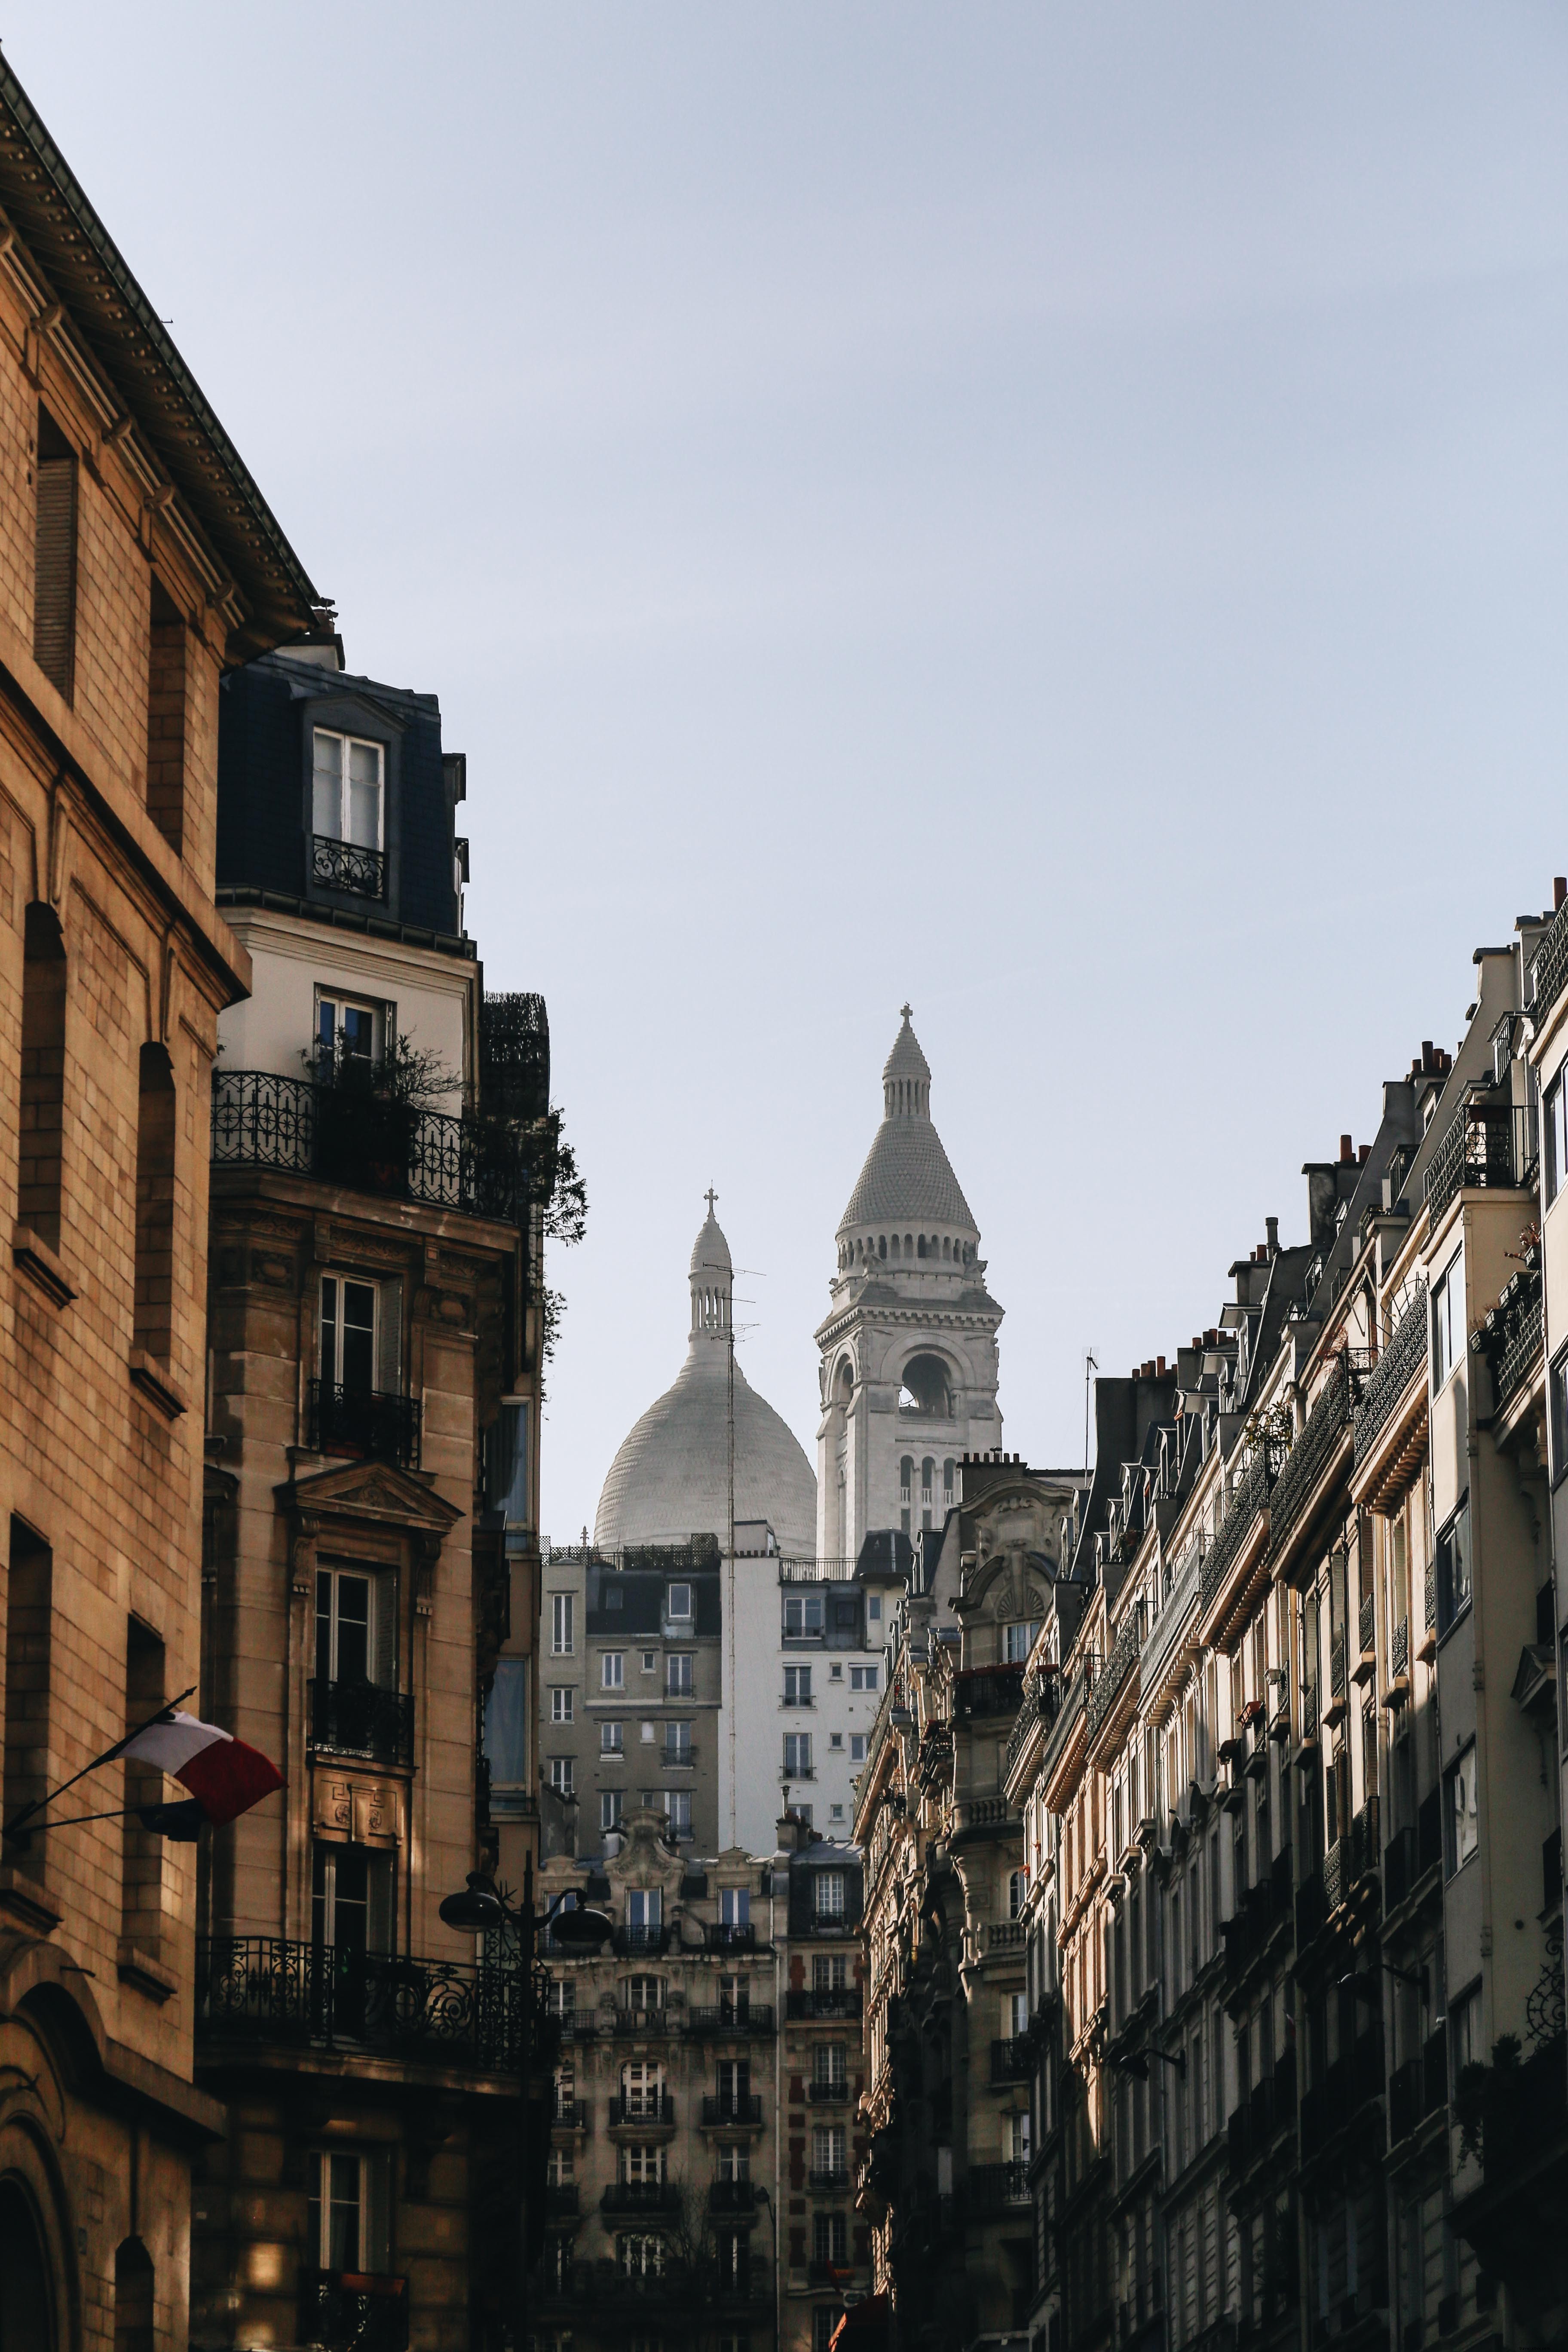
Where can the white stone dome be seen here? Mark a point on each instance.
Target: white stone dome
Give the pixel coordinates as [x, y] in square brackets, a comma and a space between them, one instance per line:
[670, 1480]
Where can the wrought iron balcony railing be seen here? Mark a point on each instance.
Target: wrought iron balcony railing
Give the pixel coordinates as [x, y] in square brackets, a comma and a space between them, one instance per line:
[345, 865]
[732, 2019]
[732, 2197]
[641, 2109]
[1487, 1146]
[991, 2186]
[1513, 1334]
[730, 1935]
[349, 1136]
[1012, 2060]
[1247, 1498]
[353, 2311]
[1400, 1359]
[1548, 968]
[361, 1719]
[987, 1690]
[368, 1424]
[829, 2001]
[264, 1988]
[1112, 1676]
[641, 2197]
[828, 2093]
[1311, 1454]
[734, 2107]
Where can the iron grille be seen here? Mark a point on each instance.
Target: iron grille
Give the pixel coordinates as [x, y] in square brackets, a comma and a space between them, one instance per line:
[359, 1719]
[367, 1423]
[344, 866]
[267, 1988]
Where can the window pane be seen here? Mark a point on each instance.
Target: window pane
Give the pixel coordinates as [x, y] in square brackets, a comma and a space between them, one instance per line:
[358, 1347]
[505, 1724]
[364, 794]
[327, 786]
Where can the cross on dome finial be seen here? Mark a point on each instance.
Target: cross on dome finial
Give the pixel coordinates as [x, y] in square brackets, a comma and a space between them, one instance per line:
[908, 1011]
[711, 1196]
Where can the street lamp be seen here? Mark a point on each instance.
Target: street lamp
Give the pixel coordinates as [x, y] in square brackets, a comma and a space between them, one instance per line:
[482, 1909]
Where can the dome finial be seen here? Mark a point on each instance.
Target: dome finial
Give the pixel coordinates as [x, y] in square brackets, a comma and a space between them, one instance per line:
[711, 1196]
[908, 1011]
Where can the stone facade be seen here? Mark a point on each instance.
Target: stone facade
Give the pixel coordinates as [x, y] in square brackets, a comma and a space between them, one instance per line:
[138, 562]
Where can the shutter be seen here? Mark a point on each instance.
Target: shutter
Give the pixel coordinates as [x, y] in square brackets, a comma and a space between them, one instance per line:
[378, 1907]
[389, 1341]
[383, 1665]
[54, 593]
[375, 2235]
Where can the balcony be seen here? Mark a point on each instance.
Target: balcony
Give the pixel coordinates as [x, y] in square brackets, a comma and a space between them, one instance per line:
[367, 1424]
[832, 2176]
[641, 2197]
[570, 2114]
[1549, 968]
[1402, 1359]
[829, 2093]
[980, 1691]
[829, 2001]
[732, 2197]
[355, 1138]
[730, 1935]
[992, 2188]
[737, 2110]
[362, 1720]
[642, 2111]
[1410, 1853]
[1486, 1147]
[1113, 1677]
[1012, 2060]
[788, 1772]
[1311, 1456]
[1006, 1935]
[672, 2292]
[447, 2013]
[677, 1758]
[560, 2201]
[731, 2020]
[347, 865]
[1512, 1335]
[1247, 1498]
[353, 2311]
[636, 1943]
[637, 2024]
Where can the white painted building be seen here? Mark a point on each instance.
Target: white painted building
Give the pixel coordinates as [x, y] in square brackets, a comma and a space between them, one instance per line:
[908, 1370]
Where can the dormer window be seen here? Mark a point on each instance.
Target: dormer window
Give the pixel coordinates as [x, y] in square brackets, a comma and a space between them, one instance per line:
[348, 792]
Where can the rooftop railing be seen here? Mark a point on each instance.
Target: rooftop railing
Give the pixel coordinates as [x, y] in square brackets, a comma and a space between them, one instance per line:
[1549, 966]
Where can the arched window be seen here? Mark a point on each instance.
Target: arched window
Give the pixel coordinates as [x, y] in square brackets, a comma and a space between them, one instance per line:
[925, 1390]
[928, 1473]
[906, 1477]
[29, 2319]
[894, 1246]
[947, 1480]
[883, 1246]
[946, 1246]
[1017, 1889]
[43, 1073]
[908, 1245]
[920, 1246]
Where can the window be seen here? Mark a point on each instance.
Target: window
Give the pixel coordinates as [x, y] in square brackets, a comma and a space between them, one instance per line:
[865, 1678]
[827, 2151]
[947, 1482]
[54, 557]
[829, 2071]
[836, 1739]
[348, 1335]
[506, 1734]
[873, 1608]
[679, 1601]
[351, 1898]
[154, 1306]
[830, 1972]
[1465, 2034]
[1452, 1563]
[346, 2228]
[643, 2165]
[562, 1703]
[43, 1074]
[347, 1033]
[802, 1617]
[610, 1810]
[1447, 1320]
[735, 2086]
[614, 1597]
[677, 1743]
[906, 1477]
[677, 1808]
[1556, 1109]
[803, 1813]
[677, 1677]
[142, 1850]
[611, 1670]
[354, 1628]
[561, 1775]
[858, 1748]
[828, 1894]
[734, 2162]
[797, 1755]
[563, 1639]
[1018, 2138]
[1557, 1405]
[645, 1910]
[347, 789]
[928, 1476]
[610, 1742]
[166, 716]
[1017, 1641]
[735, 1907]
[649, 1661]
[1017, 1892]
[1460, 1820]
[641, 2257]
[560, 2167]
[645, 1994]
[797, 1685]
[836, 1671]
[648, 1733]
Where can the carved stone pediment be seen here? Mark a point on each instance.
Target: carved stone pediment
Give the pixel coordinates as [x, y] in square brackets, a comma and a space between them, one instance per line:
[370, 1493]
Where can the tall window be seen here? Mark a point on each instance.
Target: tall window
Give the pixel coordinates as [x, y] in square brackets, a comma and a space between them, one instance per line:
[562, 1703]
[29, 1634]
[347, 790]
[797, 1755]
[43, 1074]
[678, 1811]
[735, 2087]
[166, 702]
[735, 1907]
[1556, 1124]
[830, 2240]
[506, 1737]
[348, 1333]
[54, 557]
[679, 1601]
[347, 2220]
[829, 1971]
[141, 1851]
[562, 1775]
[1018, 1640]
[828, 1894]
[1452, 1563]
[356, 1627]
[610, 1803]
[351, 1898]
[612, 1738]
[348, 1032]
[802, 1617]
[797, 1687]
[827, 2151]
[678, 1674]
[677, 1743]
[1461, 1827]
[155, 1205]
[645, 1915]
[612, 1670]
[1447, 1320]
[561, 1641]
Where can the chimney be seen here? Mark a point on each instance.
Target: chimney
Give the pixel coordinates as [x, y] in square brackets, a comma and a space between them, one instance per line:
[1425, 1052]
[1363, 1155]
[1347, 1152]
[1160, 1367]
[1559, 892]
[1271, 1226]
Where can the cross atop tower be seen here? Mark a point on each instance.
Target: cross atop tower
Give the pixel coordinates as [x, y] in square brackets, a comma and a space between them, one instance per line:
[908, 1011]
[711, 1196]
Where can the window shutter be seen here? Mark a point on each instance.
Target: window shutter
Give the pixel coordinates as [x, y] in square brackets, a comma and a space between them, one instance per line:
[385, 1670]
[375, 2249]
[379, 1894]
[389, 1344]
[54, 594]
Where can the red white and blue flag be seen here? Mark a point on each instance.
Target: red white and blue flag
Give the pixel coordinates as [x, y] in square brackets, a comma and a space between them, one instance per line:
[223, 1776]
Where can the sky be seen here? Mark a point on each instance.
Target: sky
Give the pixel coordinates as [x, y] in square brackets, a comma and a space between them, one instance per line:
[1056, 512]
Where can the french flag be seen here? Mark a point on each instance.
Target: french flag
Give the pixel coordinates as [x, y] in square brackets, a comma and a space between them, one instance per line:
[223, 1776]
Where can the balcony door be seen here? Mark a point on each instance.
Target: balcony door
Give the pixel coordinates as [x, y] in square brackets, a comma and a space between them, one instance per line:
[352, 1890]
[348, 1322]
[354, 1710]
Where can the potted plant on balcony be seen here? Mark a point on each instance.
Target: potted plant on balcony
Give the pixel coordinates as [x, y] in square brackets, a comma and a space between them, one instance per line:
[368, 1109]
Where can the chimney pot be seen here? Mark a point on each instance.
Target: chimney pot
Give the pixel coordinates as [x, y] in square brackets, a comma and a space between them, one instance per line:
[1559, 891]
[1271, 1226]
[1363, 1155]
[1425, 1052]
[1347, 1152]
[1159, 1366]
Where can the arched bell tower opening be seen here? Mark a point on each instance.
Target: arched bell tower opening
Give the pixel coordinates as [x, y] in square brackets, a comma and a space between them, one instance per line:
[912, 1318]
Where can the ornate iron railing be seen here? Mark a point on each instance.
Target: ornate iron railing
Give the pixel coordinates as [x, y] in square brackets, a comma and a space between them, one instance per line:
[649, 2108]
[992, 2186]
[1512, 1335]
[1399, 1647]
[731, 2196]
[1112, 1676]
[360, 1719]
[731, 2020]
[1251, 1493]
[1486, 1146]
[987, 1690]
[1310, 1456]
[343, 1136]
[353, 2311]
[369, 1423]
[1403, 1357]
[641, 2197]
[444, 2012]
[834, 2001]
[1550, 967]
[345, 865]
[733, 2107]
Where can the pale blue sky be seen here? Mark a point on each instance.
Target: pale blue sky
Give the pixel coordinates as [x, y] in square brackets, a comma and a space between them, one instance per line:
[1056, 512]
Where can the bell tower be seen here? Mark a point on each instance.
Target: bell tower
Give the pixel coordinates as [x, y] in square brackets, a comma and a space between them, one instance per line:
[908, 1359]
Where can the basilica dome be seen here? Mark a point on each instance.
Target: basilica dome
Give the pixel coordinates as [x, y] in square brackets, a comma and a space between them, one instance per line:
[670, 1479]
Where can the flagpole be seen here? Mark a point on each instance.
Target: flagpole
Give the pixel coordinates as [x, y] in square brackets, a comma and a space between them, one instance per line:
[160, 1715]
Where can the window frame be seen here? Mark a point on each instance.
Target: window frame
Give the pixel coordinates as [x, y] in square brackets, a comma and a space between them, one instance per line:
[348, 744]
[611, 1670]
[1452, 1541]
[1460, 1775]
[563, 1625]
[1442, 1331]
[1554, 1134]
